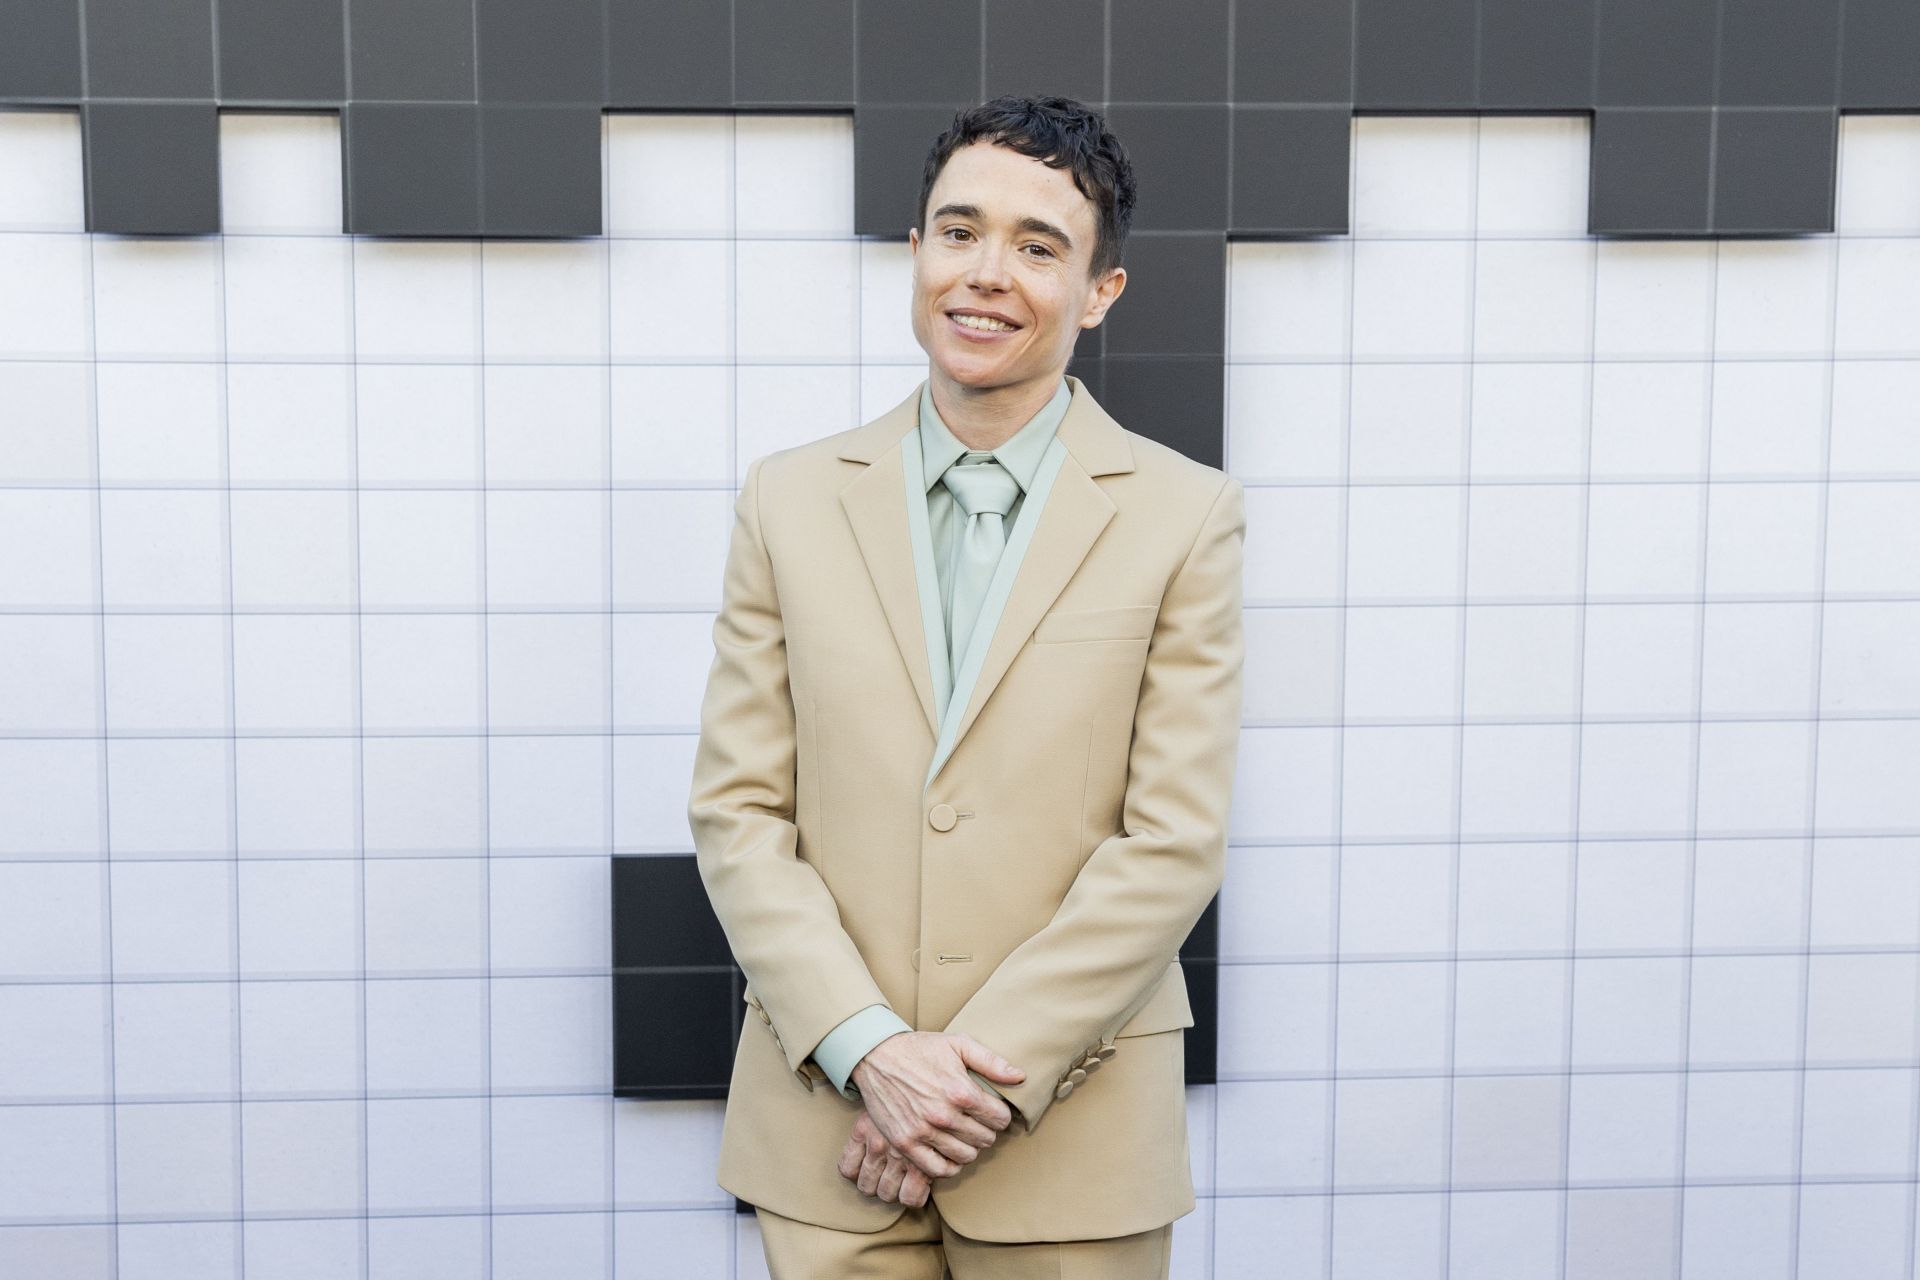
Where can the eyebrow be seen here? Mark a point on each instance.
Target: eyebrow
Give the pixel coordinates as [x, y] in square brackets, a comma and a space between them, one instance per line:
[1039, 226]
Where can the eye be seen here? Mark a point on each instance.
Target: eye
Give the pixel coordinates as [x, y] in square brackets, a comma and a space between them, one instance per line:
[1042, 248]
[958, 231]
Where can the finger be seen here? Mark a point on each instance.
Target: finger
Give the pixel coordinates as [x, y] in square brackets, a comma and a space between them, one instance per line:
[869, 1179]
[914, 1188]
[891, 1177]
[953, 1147]
[929, 1161]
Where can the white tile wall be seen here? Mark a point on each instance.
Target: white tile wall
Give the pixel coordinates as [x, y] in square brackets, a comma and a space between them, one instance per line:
[1572, 925]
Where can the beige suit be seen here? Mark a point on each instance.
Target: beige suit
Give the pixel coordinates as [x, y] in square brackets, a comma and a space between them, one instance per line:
[1034, 894]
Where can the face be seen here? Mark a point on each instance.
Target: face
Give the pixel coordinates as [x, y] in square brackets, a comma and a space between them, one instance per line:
[1009, 237]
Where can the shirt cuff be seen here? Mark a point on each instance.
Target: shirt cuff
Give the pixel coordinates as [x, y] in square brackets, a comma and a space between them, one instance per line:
[840, 1051]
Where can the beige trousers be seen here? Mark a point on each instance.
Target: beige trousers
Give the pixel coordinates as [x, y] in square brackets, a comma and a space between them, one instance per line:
[921, 1246]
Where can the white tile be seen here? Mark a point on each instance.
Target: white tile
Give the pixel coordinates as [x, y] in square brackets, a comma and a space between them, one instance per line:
[295, 796]
[547, 549]
[886, 290]
[1408, 422]
[1635, 780]
[1522, 661]
[1860, 891]
[1530, 421]
[169, 797]
[672, 546]
[1393, 900]
[1865, 662]
[1525, 542]
[300, 1039]
[158, 298]
[793, 174]
[1412, 299]
[54, 920]
[1517, 780]
[290, 424]
[1873, 539]
[293, 549]
[1629, 1012]
[1289, 299]
[280, 171]
[1287, 421]
[669, 174]
[1293, 670]
[1507, 1131]
[778, 406]
[1514, 896]
[1858, 1009]
[167, 674]
[1297, 795]
[672, 424]
[172, 919]
[1504, 1235]
[156, 1250]
[547, 794]
[1400, 664]
[1755, 777]
[1749, 894]
[1872, 414]
[1877, 283]
[302, 1159]
[1631, 895]
[403, 1248]
[303, 1248]
[673, 300]
[1745, 1011]
[174, 1041]
[165, 549]
[1389, 1134]
[1413, 174]
[416, 299]
[660, 664]
[419, 425]
[1639, 659]
[1653, 298]
[546, 425]
[56, 1050]
[422, 672]
[1393, 1016]
[1273, 1135]
[1645, 541]
[63, 653]
[1758, 659]
[420, 550]
[54, 286]
[547, 672]
[160, 423]
[1275, 1018]
[1531, 175]
[700, 1240]
[1201, 1127]
[1403, 542]
[1738, 1230]
[544, 299]
[1849, 1230]
[47, 434]
[534, 1245]
[426, 914]
[1769, 420]
[427, 1156]
[1741, 1124]
[550, 1034]
[1397, 782]
[425, 795]
[48, 549]
[295, 673]
[72, 1174]
[649, 800]
[1879, 181]
[1245, 1227]
[42, 184]
[1856, 1124]
[1650, 420]
[1763, 539]
[550, 1153]
[1624, 1126]
[549, 914]
[299, 917]
[798, 300]
[427, 1036]
[288, 297]
[1773, 297]
[1533, 299]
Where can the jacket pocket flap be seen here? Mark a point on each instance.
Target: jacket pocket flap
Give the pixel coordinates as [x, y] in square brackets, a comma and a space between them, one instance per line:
[1120, 622]
[1167, 1008]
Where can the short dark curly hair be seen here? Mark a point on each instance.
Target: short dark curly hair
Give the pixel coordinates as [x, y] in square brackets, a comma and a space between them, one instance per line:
[1063, 134]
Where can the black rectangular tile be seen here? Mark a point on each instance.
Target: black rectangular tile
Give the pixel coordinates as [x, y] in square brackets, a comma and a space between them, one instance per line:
[1293, 51]
[152, 169]
[1781, 53]
[40, 58]
[540, 170]
[673, 1034]
[283, 51]
[1179, 156]
[412, 169]
[1168, 52]
[1090, 369]
[1655, 53]
[1536, 57]
[1179, 401]
[918, 51]
[1069, 62]
[1773, 171]
[890, 146]
[793, 53]
[1649, 171]
[418, 52]
[1203, 1037]
[1291, 170]
[1175, 299]
[662, 915]
[1414, 55]
[1203, 940]
[553, 51]
[669, 53]
[150, 49]
[1877, 66]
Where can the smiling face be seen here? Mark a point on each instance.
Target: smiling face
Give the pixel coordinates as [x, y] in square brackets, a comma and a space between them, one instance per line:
[1008, 237]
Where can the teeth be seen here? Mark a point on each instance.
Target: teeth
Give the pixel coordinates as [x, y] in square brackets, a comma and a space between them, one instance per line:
[983, 322]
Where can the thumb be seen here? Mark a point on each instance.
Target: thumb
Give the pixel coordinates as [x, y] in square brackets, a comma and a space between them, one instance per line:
[987, 1062]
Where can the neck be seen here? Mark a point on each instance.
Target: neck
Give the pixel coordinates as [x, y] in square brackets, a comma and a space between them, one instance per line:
[987, 417]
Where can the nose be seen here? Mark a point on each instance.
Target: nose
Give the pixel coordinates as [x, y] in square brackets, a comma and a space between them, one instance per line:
[988, 269]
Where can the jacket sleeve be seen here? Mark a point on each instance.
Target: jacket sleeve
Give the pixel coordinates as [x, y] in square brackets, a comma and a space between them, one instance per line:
[1122, 921]
[778, 914]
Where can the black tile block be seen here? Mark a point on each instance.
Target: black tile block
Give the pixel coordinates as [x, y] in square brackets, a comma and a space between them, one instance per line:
[421, 51]
[1781, 53]
[152, 169]
[1203, 940]
[540, 170]
[1181, 402]
[673, 1034]
[890, 146]
[1179, 157]
[793, 53]
[1655, 53]
[1091, 370]
[1773, 171]
[148, 48]
[552, 51]
[413, 169]
[1203, 1037]
[1878, 68]
[1062, 55]
[1294, 51]
[662, 916]
[40, 56]
[1175, 297]
[1415, 55]
[1649, 172]
[290, 51]
[1534, 56]
[918, 51]
[1169, 52]
[669, 53]
[1291, 171]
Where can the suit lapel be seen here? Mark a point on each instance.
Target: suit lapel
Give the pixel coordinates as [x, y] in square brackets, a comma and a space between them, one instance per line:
[1065, 525]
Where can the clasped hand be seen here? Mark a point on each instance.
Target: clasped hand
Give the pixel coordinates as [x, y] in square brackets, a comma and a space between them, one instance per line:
[924, 1116]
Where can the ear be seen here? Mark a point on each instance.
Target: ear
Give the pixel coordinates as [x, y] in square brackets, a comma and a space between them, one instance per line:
[1104, 295]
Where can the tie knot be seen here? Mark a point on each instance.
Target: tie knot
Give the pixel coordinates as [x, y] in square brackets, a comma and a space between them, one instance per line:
[981, 486]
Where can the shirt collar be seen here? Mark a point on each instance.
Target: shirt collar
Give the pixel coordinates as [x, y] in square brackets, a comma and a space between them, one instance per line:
[1019, 453]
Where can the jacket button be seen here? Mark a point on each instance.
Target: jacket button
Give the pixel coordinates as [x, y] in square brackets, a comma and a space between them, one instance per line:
[1076, 1076]
[1092, 1065]
[1106, 1051]
[1066, 1087]
[942, 817]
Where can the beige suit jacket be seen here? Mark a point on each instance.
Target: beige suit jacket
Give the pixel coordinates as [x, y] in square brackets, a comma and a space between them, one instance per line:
[1035, 892]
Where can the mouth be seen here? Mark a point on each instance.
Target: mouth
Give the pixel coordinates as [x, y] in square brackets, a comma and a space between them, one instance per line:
[978, 328]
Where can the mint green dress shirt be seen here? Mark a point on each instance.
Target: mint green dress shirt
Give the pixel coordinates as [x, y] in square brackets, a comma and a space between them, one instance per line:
[843, 1047]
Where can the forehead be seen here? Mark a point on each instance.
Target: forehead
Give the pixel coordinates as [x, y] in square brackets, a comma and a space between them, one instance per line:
[1006, 185]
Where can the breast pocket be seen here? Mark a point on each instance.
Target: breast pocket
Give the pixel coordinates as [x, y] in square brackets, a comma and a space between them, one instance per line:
[1115, 622]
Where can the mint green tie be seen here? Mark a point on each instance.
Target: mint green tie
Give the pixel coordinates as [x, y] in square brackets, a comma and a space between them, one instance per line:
[985, 492]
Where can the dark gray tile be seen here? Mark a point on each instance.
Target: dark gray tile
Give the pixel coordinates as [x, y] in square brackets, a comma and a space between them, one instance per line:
[1203, 1037]
[1203, 940]
[150, 49]
[1179, 401]
[669, 53]
[1291, 170]
[1414, 55]
[40, 58]
[1068, 62]
[553, 51]
[1655, 53]
[1092, 370]
[795, 53]
[1168, 52]
[1877, 66]
[1293, 51]
[413, 169]
[290, 51]
[890, 146]
[662, 917]
[540, 170]
[1649, 171]
[918, 51]
[674, 1033]
[421, 51]
[1179, 156]
[152, 169]
[1773, 171]
[1781, 53]
[1175, 299]
[1534, 56]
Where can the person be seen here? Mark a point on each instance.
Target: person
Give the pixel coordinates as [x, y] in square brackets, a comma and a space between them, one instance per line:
[965, 760]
